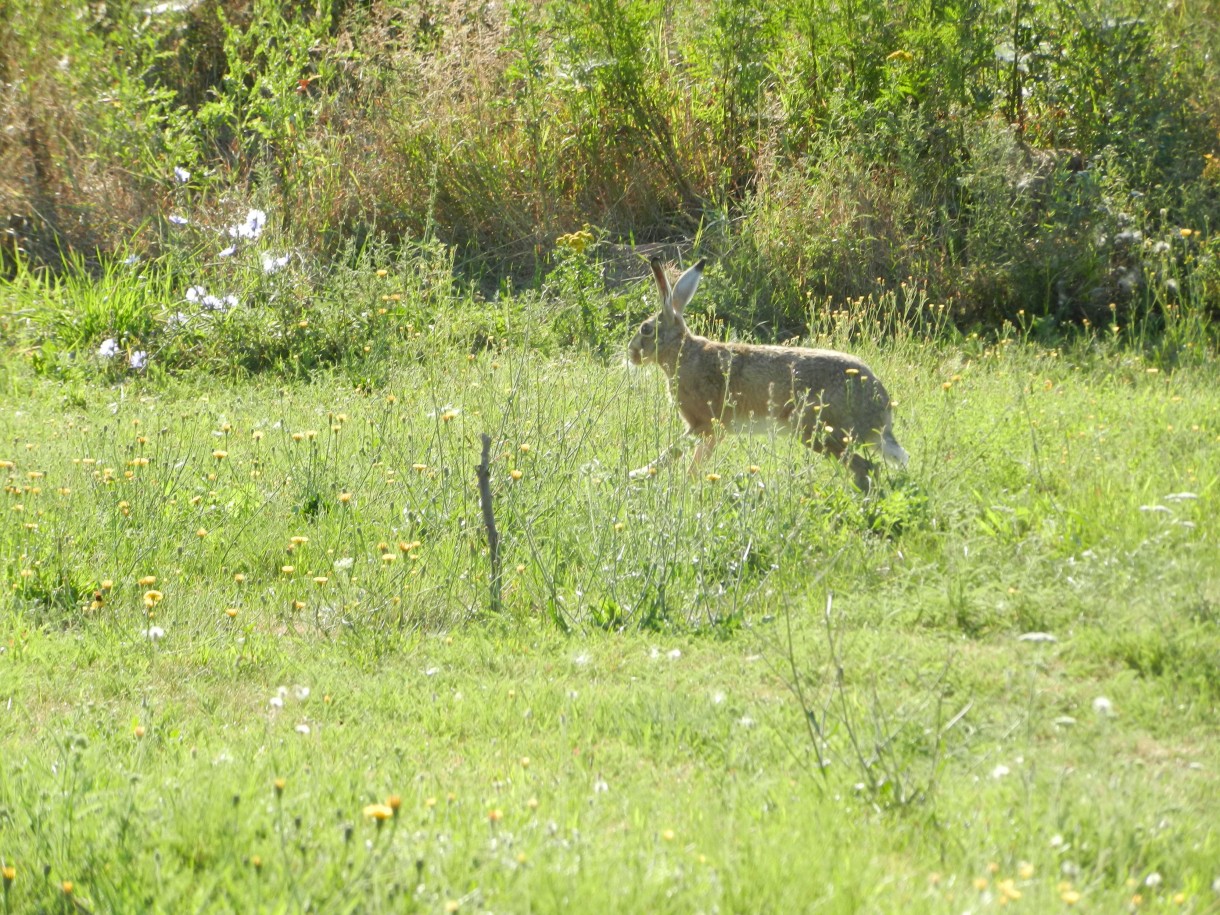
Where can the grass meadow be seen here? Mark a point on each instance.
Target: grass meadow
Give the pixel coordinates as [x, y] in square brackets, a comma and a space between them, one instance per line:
[248, 661]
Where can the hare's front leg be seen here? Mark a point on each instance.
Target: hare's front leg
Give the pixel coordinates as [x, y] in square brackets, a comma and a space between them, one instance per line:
[708, 439]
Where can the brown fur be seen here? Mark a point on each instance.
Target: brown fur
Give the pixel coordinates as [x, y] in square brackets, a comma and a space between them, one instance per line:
[830, 399]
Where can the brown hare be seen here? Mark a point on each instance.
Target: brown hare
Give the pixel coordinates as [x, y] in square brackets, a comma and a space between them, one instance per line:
[831, 399]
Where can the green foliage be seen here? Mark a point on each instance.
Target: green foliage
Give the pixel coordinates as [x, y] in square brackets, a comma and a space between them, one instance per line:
[994, 152]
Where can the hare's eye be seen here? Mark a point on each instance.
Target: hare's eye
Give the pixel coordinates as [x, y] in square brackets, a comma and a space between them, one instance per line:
[646, 329]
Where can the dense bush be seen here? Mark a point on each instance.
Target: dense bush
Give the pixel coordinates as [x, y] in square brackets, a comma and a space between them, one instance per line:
[1050, 158]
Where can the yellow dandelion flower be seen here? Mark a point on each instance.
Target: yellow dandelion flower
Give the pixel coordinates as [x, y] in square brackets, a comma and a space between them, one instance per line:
[387, 558]
[107, 584]
[618, 526]
[1186, 233]
[239, 577]
[378, 812]
[298, 605]
[532, 803]
[524, 449]
[495, 815]
[419, 468]
[288, 570]
[298, 436]
[320, 580]
[220, 455]
[525, 762]
[299, 541]
[382, 272]
[231, 612]
[668, 835]
[713, 478]
[139, 731]
[1070, 896]
[1008, 889]
[147, 580]
[452, 905]
[152, 598]
[394, 802]
[279, 784]
[345, 497]
[257, 434]
[516, 474]
[201, 533]
[980, 883]
[1025, 871]
[10, 874]
[430, 802]
[407, 546]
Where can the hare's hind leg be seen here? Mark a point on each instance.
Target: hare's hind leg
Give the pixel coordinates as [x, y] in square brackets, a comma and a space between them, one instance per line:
[836, 443]
[649, 470]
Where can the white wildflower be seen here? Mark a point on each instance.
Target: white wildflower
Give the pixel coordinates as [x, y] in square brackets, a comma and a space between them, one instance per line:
[181, 174]
[179, 220]
[344, 564]
[302, 728]
[228, 252]
[109, 348]
[1103, 706]
[272, 264]
[252, 228]
[138, 360]
[154, 633]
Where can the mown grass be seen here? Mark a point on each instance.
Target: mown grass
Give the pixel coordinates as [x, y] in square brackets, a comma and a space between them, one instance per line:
[666, 715]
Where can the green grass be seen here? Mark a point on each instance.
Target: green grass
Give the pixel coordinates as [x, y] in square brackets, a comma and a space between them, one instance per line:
[664, 717]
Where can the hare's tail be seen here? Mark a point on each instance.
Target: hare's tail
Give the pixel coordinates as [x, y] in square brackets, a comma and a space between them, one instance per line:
[893, 452]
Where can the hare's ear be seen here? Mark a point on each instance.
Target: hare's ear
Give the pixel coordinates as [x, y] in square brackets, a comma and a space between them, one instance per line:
[663, 290]
[687, 283]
